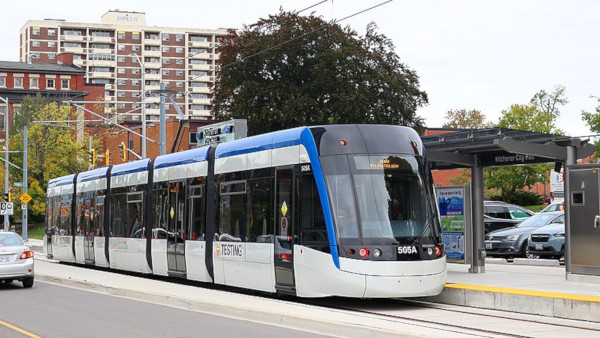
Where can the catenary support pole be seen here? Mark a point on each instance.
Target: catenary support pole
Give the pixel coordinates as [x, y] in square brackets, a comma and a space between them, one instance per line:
[163, 120]
[478, 265]
[25, 206]
[6, 174]
[571, 160]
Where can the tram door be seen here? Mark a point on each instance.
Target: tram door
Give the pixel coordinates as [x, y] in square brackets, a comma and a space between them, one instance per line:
[89, 226]
[177, 230]
[284, 233]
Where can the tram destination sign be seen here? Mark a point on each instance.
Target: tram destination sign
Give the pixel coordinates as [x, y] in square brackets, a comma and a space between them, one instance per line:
[222, 132]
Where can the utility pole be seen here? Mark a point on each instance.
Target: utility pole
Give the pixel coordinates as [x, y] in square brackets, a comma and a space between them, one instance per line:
[25, 205]
[6, 145]
[163, 121]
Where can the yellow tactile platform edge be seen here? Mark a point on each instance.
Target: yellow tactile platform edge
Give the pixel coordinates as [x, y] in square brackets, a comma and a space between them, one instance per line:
[523, 292]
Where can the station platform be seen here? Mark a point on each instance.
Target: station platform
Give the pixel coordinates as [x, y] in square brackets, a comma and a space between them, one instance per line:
[540, 290]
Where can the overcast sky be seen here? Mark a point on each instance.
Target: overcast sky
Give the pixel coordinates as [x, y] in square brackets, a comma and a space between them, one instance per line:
[475, 54]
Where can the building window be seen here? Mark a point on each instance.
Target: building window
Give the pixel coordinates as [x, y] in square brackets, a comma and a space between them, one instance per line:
[36, 30]
[179, 84]
[135, 71]
[165, 49]
[51, 56]
[179, 61]
[35, 43]
[2, 81]
[72, 32]
[135, 35]
[121, 82]
[135, 48]
[35, 55]
[49, 83]
[101, 69]
[135, 82]
[198, 38]
[120, 94]
[18, 82]
[51, 44]
[165, 72]
[34, 82]
[102, 34]
[165, 36]
[121, 58]
[179, 50]
[51, 31]
[121, 70]
[121, 105]
[121, 47]
[64, 84]
[130, 144]
[193, 139]
[179, 73]
[178, 37]
[121, 35]
[166, 61]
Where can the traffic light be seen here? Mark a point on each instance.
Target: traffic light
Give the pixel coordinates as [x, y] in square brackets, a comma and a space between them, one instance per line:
[123, 151]
[6, 196]
[107, 157]
[92, 158]
[9, 197]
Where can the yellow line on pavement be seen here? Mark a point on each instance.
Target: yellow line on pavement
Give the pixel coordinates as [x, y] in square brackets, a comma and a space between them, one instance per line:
[524, 292]
[18, 329]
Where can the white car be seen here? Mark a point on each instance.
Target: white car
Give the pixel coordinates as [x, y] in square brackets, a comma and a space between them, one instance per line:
[16, 260]
[554, 206]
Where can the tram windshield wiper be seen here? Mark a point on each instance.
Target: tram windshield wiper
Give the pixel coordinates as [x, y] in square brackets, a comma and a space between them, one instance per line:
[425, 228]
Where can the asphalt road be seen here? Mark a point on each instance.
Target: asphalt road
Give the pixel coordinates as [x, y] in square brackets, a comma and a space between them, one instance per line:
[48, 310]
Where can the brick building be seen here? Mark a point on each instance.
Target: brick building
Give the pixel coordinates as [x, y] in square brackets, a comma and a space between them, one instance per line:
[55, 82]
[183, 58]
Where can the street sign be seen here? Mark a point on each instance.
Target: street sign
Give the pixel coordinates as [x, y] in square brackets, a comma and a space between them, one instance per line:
[25, 198]
[23, 206]
[18, 184]
[6, 208]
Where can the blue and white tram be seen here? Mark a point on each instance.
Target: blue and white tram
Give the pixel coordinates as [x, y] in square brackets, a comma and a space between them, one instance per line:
[339, 210]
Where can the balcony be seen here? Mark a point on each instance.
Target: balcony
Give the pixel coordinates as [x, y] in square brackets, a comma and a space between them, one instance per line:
[152, 65]
[73, 50]
[152, 99]
[152, 87]
[109, 87]
[73, 38]
[204, 90]
[199, 67]
[200, 44]
[198, 112]
[104, 39]
[102, 75]
[202, 56]
[152, 42]
[102, 51]
[153, 53]
[79, 62]
[200, 101]
[202, 78]
[153, 77]
[152, 111]
[101, 63]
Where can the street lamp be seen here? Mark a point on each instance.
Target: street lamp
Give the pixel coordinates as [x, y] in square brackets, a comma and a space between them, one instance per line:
[143, 103]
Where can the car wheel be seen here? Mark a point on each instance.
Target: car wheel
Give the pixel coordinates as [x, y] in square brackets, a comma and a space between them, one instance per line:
[528, 254]
[28, 282]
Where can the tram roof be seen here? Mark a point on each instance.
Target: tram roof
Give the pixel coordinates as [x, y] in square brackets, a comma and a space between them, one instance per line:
[500, 146]
[63, 180]
[182, 157]
[92, 174]
[274, 140]
[130, 167]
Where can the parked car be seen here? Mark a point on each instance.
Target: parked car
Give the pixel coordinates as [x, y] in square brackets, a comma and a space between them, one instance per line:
[548, 241]
[16, 260]
[554, 206]
[512, 242]
[500, 215]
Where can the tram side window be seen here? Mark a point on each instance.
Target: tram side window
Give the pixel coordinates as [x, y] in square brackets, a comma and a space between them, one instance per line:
[232, 212]
[80, 211]
[260, 209]
[133, 227]
[118, 213]
[312, 229]
[49, 220]
[197, 210]
[64, 216]
[160, 210]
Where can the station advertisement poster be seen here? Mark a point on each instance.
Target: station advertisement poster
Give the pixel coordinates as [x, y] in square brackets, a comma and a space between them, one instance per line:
[451, 203]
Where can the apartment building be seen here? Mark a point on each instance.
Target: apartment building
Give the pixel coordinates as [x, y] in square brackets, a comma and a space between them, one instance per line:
[182, 58]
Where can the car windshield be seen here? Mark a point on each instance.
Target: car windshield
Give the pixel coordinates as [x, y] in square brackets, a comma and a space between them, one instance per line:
[537, 220]
[10, 240]
[393, 202]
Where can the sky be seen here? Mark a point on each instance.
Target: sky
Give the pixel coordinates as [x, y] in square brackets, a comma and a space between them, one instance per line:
[471, 54]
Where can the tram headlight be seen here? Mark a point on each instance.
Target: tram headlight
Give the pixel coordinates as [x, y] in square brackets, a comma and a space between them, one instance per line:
[377, 253]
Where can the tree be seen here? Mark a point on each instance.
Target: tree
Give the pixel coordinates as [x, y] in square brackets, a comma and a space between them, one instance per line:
[465, 119]
[290, 70]
[52, 150]
[548, 103]
[593, 121]
[510, 180]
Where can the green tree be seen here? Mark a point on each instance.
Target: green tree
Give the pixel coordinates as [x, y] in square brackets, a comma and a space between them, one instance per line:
[593, 122]
[52, 150]
[509, 180]
[465, 119]
[290, 70]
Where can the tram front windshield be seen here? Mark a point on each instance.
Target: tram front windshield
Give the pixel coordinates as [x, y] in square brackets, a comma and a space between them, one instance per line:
[380, 199]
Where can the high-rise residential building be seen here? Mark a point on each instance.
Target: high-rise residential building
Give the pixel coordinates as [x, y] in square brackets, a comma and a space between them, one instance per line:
[182, 58]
